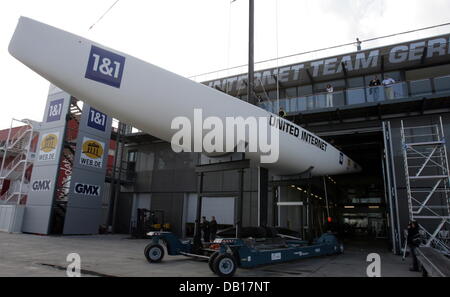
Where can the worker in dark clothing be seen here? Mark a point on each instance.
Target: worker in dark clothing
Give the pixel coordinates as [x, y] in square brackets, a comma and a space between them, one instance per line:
[282, 113]
[375, 82]
[213, 228]
[413, 240]
[205, 229]
[374, 89]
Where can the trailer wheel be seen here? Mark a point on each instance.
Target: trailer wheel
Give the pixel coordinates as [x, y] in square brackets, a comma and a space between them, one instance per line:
[211, 261]
[225, 265]
[154, 253]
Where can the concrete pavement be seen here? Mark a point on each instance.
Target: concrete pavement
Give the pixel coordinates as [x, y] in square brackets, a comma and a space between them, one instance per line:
[117, 255]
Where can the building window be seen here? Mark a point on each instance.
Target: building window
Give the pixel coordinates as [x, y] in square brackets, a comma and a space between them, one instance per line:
[291, 93]
[356, 82]
[132, 156]
[305, 90]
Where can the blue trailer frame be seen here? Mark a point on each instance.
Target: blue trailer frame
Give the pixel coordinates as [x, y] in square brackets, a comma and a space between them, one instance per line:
[233, 253]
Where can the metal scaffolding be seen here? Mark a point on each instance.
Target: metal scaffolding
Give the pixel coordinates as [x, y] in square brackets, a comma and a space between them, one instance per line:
[428, 182]
[16, 158]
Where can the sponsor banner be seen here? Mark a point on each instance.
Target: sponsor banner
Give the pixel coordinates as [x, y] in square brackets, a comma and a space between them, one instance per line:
[48, 147]
[105, 67]
[429, 51]
[41, 185]
[92, 153]
[89, 169]
[97, 120]
[87, 190]
[43, 178]
[55, 110]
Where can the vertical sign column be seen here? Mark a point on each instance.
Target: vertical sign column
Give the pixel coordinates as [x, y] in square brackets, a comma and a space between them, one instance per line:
[84, 209]
[43, 180]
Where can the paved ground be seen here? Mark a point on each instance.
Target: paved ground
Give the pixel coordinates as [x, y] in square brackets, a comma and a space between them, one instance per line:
[116, 255]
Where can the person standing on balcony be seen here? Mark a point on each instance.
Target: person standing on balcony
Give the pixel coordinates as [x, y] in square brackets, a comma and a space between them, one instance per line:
[330, 91]
[374, 87]
[388, 87]
[358, 44]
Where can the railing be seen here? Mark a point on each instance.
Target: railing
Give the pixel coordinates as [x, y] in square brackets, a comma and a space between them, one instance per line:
[4, 197]
[20, 135]
[425, 88]
[16, 190]
[20, 158]
[435, 242]
[19, 145]
[126, 174]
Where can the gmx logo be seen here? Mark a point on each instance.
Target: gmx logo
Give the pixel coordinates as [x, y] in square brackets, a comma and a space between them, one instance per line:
[88, 190]
[105, 67]
[41, 185]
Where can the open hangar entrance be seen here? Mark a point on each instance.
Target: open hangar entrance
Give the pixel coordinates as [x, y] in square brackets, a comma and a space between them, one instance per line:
[355, 206]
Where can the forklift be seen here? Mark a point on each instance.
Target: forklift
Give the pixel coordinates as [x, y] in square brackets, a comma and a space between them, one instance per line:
[147, 221]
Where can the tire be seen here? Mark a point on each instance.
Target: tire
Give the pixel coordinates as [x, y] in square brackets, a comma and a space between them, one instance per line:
[154, 253]
[341, 248]
[225, 265]
[211, 261]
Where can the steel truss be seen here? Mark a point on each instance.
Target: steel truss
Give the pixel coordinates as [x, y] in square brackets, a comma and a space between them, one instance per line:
[428, 182]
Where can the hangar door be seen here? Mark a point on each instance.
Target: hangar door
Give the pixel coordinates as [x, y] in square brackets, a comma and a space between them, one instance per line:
[222, 208]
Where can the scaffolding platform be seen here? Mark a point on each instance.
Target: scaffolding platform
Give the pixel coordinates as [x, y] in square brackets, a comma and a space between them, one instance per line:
[428, 183]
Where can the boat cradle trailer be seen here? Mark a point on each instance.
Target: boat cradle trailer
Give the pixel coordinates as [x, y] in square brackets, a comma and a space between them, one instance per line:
[224, 256]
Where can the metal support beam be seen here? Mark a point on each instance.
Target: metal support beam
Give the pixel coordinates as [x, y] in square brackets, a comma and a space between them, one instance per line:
[311, 78]
[309, 213]
[240, 204]
[224, 166]
[197, 230]
[424, 55]
[275, 208]
[251, 62]
[263, 196]
[122, 131]
[114, 179]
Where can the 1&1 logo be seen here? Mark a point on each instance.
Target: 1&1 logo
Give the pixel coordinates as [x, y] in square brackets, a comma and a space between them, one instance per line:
[55, 110]
[92, 153]
[105, 67]
[97, 119]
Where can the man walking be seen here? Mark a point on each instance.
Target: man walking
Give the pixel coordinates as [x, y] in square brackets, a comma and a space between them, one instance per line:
[413, 240]
[213, 228]
[205, 229]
